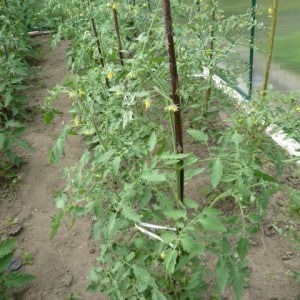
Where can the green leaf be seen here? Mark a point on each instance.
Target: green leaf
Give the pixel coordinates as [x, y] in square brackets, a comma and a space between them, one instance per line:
[24, 144]
[168, 236]
[237, 138]
[152, 142]
[59, 148]
[222, 275]
[157, 295]
[55, 223]
[130, 214]
[7, 246]
[153, 176]
[4, 261]
[210, 223]
[174, 156]
[14, 280]
[189, 173]
[175, 214]
[242, 247]
[190, 203]
[216, 172]
[198, 135]
[191, 246]
[141, 274]
[226, 247]
[170, 260]
[116, 165]
[48, 117]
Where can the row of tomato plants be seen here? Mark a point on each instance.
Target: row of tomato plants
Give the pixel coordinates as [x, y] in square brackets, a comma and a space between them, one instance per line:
[16, 50]
[138, 104]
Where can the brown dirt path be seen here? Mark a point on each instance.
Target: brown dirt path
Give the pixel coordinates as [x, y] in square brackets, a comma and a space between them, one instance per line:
[61, 265]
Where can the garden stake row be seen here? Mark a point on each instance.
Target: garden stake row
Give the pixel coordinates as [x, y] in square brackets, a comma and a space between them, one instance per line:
[270, 47]
[95, 32]
[99, 48]
[117, 30]
[175, 94]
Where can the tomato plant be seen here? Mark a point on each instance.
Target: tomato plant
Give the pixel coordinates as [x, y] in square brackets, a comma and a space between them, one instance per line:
[134, 95]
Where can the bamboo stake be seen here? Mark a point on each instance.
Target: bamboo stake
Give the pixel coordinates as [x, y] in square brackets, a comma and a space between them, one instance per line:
[270, 47]
[211, 49]
[175, 93]
[116, 23]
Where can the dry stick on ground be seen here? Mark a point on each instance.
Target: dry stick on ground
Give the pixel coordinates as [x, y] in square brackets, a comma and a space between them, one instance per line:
[175, 92]
[270, 47]
[116, 23]
[211, 49]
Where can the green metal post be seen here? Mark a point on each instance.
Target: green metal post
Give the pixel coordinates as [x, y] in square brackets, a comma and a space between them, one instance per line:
[251, 53]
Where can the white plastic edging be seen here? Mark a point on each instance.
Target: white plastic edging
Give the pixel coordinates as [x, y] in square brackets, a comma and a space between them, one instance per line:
[280, 137]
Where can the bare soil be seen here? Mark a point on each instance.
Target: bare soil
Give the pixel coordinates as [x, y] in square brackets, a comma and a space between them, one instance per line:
[62, 265]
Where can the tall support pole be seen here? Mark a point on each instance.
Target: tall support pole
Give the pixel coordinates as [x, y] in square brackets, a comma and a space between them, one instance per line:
[251, 53]
[270, 46]
[175, 93]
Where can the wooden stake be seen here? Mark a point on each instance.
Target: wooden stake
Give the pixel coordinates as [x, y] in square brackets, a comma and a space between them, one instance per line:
[175, 90]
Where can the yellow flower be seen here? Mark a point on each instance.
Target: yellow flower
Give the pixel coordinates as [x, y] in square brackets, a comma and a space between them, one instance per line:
[77, 121]
[89, 132]
[114, 6]
[298, 109]
[270, 12]
[72, 94]
[147, 103]
[80, 92]
[171, 107]
[110, 75]
[131, 75]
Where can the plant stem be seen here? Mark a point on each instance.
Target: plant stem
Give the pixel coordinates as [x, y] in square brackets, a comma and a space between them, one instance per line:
[211, 49]
[175, 94]
[270, 47]
[116, 23]
[5, 52]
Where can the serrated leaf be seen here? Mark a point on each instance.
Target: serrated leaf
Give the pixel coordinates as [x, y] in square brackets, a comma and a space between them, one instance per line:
[222, 275]
[153, 176]
[190, 203]
[170, 261]
[198, 135]
[174, 156]
[175, 214]
[192, 172]
[14, 280]
[216, 172]
[116, 165]
[226, 247]
[55, 223]
[237, 138]
[7, 246]
[4, 261]
[152, 142]
[130, 214]
[210, 223]
[191, 246]
[168, 236]
[242, 247]
[157, 295]
[24, 144]
[141, 274]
